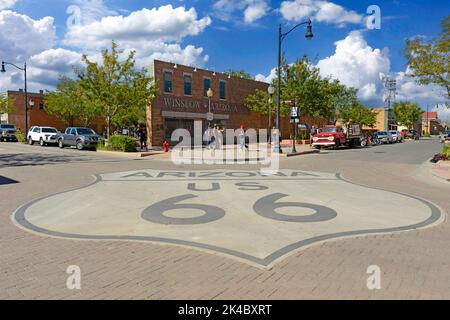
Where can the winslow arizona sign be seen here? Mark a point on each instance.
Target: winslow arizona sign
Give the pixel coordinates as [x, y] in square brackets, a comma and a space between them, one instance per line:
[245, 215]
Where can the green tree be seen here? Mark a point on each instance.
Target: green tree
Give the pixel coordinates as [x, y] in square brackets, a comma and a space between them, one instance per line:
[120, 91]
[69, 104]
[239, 74]
[6, 104]
[430, 61]
[357, 113]
[407, 113]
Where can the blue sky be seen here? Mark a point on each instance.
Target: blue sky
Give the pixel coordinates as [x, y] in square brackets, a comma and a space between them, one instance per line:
[222, 34]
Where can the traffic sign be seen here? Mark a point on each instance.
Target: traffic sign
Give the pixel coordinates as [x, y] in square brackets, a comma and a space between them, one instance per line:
[210, 116]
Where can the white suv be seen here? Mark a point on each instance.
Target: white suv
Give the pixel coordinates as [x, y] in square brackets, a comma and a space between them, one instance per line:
[43, 135]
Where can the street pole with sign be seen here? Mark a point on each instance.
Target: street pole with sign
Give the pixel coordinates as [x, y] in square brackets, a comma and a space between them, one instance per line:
[295, 116]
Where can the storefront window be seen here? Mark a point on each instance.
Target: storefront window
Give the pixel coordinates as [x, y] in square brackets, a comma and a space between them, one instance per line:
[167, 81]
[206, 86]
[187, 85]
[223, 89]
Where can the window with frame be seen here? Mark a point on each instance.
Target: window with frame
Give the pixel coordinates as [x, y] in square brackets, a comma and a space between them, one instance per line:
[168, 81]
[206, 86]
[187, 85]
[41, 106]
[223, 89]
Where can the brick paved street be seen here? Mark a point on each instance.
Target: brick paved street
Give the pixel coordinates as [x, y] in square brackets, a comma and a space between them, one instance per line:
[414, 264]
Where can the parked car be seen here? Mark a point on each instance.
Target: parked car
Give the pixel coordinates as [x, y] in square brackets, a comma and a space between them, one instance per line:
[43, 135]
[410, 134]
[82, 138]
[404, 132]
[444, 136]
[7, 132]
[385, 137]
[396, 135]
[447, 139]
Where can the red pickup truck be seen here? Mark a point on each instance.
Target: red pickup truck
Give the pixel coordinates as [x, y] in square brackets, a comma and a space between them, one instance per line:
[336, 136]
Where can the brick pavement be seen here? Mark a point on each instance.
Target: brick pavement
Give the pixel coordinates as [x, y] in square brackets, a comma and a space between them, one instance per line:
[414, 264]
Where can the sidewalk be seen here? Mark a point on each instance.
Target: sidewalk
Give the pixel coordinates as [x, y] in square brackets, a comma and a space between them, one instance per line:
[442, 170]
[253, 150]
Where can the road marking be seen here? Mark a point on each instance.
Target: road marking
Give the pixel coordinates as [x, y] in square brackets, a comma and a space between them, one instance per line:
[243, 214]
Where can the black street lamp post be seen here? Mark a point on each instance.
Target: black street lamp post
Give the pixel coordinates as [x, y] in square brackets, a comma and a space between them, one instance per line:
[271, 91]
[309, 35]
[24, 69]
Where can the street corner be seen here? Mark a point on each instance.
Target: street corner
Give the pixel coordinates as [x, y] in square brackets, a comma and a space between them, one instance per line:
[248, 215]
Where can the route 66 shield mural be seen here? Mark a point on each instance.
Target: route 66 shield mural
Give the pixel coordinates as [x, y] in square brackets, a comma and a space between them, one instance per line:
[246, 215]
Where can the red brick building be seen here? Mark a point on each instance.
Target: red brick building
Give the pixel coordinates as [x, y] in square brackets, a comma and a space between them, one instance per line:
[182, 99]
[37, 116]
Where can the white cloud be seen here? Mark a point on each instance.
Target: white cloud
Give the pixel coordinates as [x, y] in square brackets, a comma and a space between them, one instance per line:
[7, 4]
[253, 10]
[319, 10]
[48, 66]
[158, 24]
[153, 33]
[22, 36]
[357, 64]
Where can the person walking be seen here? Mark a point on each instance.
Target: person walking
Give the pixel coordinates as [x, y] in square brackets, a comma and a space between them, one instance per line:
[207, 136]
[219, 137]
[241, 134]
[143, 138]
[312, 132]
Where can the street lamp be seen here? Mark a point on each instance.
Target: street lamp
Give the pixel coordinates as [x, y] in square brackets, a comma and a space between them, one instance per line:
[271, 91]
[309, 35]
[24, 69]
[209, 93]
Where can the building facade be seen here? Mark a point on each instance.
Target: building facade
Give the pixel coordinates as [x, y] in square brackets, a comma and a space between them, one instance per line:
[182, 99]
[431, 124]
[37, 115]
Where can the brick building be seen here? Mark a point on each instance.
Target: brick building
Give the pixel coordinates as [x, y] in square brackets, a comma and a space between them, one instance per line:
[182, 99]
[37, 116]
[431, 124]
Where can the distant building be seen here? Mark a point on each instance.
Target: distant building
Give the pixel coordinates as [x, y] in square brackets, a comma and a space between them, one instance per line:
[385, 120]
[431, 124]
[37, 116]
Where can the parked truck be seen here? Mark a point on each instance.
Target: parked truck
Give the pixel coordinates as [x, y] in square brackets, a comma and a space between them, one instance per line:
[336, 136]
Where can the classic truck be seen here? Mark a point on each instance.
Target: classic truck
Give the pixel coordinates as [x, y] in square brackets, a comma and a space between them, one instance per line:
[82, 138]
[336, 136]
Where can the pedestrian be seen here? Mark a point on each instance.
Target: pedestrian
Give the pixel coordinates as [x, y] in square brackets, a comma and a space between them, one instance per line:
[207, 136]
[143, 138]
[218, 131]
[312, 132]
[241, 134]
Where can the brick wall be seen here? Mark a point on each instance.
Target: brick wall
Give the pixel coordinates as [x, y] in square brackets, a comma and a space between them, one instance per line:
[237, 90]
[37, 116]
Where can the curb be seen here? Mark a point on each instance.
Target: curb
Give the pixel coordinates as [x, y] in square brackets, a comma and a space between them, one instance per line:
[437, 175]
[302, 153]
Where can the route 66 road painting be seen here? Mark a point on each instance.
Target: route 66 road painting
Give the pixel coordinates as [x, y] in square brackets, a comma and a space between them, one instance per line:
[256, 218]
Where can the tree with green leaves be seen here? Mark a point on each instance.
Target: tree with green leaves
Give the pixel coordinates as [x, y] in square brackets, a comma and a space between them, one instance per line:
[316, 96]
[357, 113]
[429, 61]
[6, 104]
[69, 104]
[120, 91]
[407, 113]
[239, 74]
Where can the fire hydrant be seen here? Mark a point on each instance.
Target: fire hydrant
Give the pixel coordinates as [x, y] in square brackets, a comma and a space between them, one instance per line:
[166, 146]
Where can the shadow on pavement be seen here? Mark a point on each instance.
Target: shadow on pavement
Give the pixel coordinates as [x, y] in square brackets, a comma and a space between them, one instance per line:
[5, 180]
[29, 159]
